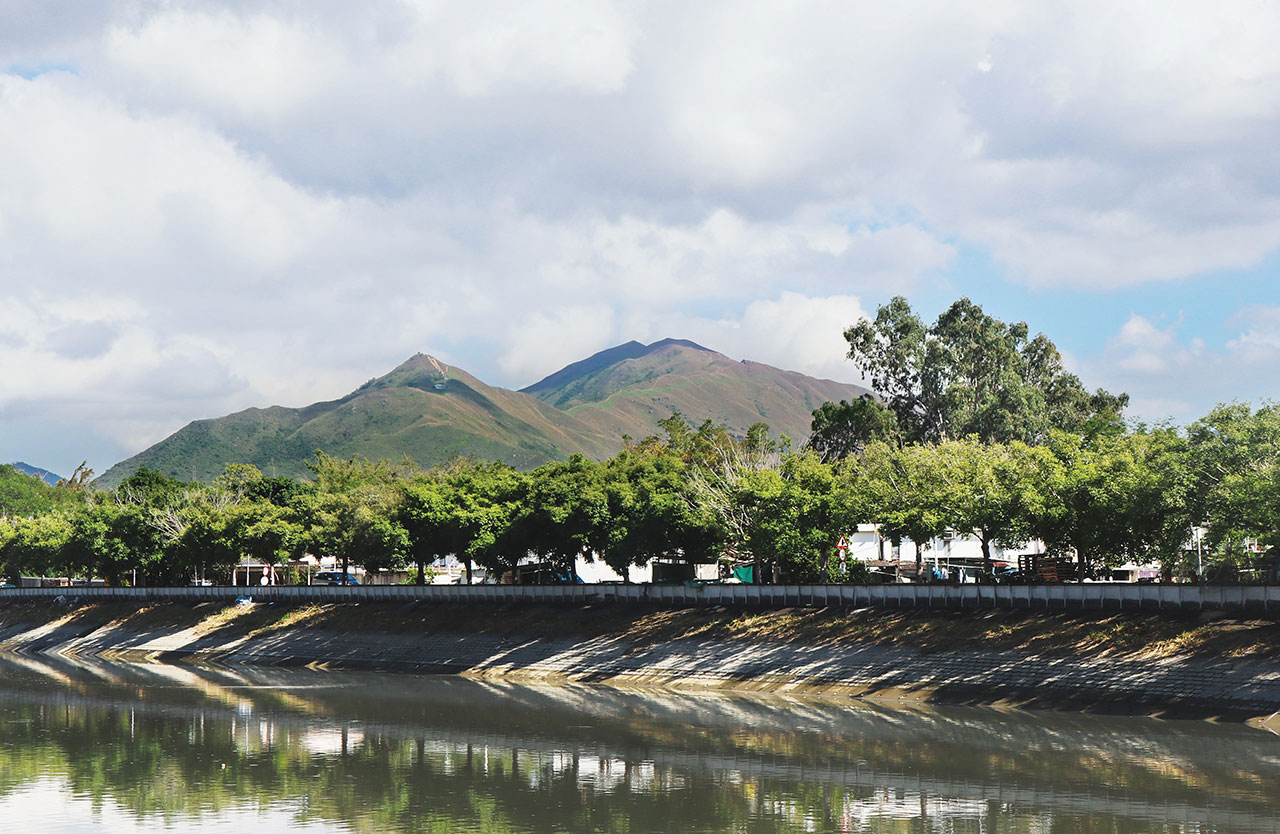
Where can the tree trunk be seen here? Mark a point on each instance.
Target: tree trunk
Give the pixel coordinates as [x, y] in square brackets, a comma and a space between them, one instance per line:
[468, 570]
[986, 554]
[422, 571]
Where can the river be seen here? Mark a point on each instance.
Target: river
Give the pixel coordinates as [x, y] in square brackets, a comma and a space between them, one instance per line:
[94, 746]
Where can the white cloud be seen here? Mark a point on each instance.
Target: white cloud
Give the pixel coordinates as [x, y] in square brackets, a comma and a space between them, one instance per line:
[1143, 347]
[497, 47]
[1260, 339]
[87, 182]
[545, 342]
[273, 201]
[793, 331]
[1092, 145]
[94, 362]
[799, 333]
[257, 65]
[1170, 376]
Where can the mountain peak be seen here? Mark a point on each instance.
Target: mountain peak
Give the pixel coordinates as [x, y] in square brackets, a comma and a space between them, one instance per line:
[605, 358]
[662, 343]
[418, 371]
[627, 389]
[435, 412]
[424, 360]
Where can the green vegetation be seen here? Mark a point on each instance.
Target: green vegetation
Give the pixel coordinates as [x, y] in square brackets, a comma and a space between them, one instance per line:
[22, 494]
[980, 432]
[434, 413]
[969, 374]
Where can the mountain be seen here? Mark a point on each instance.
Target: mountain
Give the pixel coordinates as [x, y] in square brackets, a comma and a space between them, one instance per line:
[627, 389]
[423, 408]
[435, 412]
[43, 474]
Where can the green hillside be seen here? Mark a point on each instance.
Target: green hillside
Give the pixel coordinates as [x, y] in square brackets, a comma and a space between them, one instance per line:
[23, 494]
[434, 412]
[630, 394]
[423, 409]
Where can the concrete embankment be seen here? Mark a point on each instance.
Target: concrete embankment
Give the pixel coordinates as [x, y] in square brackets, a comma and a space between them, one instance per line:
[1212, 665]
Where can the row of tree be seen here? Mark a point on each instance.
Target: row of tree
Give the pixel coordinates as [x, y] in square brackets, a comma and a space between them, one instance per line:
[693, 495]
[978, 429]
[626, 511]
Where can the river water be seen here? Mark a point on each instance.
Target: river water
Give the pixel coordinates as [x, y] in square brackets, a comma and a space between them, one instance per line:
[90, 746]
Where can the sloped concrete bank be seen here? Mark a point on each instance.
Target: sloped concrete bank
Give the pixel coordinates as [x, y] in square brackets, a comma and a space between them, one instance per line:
[1139, 664]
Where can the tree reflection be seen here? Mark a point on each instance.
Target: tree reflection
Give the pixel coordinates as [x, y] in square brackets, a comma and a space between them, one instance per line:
[409, 754]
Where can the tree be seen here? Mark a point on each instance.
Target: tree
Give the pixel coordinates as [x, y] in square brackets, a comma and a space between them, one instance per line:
[719, 487]
[430, 516]
[351, 514]
[652, 511]
[79, 480]
[110, 538]
[142, 522]
[465, 510]
[150, 488]
[566, 513]
[22, 494]
[896, 488]
[34, 545]
[265, 531]
[845, 428]
[971, 374]
[491, 497]
[987, 490]
[1234, 457]
[701, 447]
[1113, 498]
[195, 527]
[794, 519]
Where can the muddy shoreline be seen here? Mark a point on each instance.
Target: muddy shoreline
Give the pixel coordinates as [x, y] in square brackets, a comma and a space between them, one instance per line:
[1215, 667]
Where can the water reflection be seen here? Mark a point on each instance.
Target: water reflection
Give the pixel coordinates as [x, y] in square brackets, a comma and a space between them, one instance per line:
[147, 746]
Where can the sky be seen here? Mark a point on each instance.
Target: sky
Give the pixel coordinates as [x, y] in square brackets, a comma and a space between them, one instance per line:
[210, 206]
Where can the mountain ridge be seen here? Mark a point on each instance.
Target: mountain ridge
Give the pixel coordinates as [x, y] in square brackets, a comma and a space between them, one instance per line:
[45, 475]
[433, 412]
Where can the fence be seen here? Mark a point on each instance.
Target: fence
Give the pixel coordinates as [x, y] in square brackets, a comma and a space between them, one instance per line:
[1086, 596]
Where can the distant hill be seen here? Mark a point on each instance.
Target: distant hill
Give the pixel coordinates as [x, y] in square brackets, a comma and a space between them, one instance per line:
[425, 409]
[434, 412]
[628, 389]
[23, 493]
[43, 474]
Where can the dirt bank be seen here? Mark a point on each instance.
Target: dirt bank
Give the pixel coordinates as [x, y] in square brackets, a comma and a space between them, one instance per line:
[1203, 666]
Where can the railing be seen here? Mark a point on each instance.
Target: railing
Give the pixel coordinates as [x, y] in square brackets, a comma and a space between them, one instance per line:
[1094, 595]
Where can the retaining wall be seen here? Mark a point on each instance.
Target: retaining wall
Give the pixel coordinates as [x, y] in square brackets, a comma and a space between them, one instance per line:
[1082, 596]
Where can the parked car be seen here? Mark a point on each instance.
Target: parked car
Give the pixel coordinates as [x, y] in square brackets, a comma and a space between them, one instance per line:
[1008, 575]
[333, 577]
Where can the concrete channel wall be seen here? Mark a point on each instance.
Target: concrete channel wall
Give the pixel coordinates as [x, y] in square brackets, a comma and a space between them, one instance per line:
[1086, 596]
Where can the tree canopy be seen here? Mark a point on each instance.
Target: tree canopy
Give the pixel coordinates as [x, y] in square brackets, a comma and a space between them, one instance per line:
[976, 430]
[969, 374]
